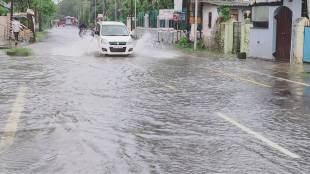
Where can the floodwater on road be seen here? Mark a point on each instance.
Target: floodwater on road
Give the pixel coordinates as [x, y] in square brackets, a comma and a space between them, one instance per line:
[66, 110]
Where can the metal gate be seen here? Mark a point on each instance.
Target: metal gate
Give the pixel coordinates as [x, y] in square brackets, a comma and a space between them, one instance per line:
[284, 34]
[237, 37]
[307, 45]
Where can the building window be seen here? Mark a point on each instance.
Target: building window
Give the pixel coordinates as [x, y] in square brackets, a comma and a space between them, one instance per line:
[210, 20]
[304, 12]
[260, 16]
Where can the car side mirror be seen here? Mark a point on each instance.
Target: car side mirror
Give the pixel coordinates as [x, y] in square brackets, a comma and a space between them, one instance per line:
[96, 32]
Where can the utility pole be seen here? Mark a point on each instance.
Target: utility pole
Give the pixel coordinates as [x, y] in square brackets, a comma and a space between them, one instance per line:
[104, 10]
[131, 14]
[188, 15]
[12, 10]
[11, 18]
[115, 11]
[196, 25]
[135, 15]
[95, 12]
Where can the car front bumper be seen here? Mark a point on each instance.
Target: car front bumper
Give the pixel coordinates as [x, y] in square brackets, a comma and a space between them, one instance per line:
[117, 50]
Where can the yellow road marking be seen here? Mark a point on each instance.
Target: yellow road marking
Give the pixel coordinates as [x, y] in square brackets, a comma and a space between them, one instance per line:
[239, 78]
[10, 129]
[171, 87]
[279, 78]
[153, 79]
[258, 136]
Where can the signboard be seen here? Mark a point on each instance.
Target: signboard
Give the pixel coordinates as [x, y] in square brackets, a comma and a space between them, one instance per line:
[192, 20]
[176, 17]
[178, 5]
[183, 16]
[166, 14]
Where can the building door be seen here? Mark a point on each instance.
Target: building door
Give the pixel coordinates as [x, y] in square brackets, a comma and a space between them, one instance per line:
[307, 45]
[284, 34]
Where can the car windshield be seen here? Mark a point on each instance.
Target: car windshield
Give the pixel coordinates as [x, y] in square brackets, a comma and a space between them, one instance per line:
[114, 30]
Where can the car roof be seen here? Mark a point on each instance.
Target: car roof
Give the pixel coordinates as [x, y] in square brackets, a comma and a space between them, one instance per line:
[110, 23]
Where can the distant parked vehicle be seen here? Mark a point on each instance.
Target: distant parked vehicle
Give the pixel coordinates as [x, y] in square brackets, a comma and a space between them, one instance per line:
[114, 38]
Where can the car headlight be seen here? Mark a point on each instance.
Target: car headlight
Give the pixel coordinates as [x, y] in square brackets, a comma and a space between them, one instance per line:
[104, 42]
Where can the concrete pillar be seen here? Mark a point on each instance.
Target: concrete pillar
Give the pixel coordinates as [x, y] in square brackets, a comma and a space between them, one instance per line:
[298, 40]
[245, 37]
[308, 3]
[146, 21]
[229, 36]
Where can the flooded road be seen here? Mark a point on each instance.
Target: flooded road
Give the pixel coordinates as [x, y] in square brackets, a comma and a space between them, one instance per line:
[66, 110]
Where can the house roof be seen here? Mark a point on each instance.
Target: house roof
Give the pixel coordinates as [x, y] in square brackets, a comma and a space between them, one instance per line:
[265, 2]
[235, 3]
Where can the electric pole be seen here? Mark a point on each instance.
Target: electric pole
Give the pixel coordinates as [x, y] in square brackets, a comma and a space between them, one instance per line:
[196, 25]
[135, 15]
[95, 12]
[115, 11]
[12, 9]
[131, 14]
[11, 18]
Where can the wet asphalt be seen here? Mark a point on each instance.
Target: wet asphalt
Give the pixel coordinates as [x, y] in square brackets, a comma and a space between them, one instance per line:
[65, 110]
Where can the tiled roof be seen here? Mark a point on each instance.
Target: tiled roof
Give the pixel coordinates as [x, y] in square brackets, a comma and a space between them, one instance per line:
[227, 2]
[264, 1]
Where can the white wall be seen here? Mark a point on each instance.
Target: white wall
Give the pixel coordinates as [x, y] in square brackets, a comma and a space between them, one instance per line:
[295, 6]
[207, 8]
[263, 41]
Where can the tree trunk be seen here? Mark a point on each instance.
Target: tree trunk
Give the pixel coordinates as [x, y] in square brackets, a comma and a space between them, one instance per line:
[40, 22]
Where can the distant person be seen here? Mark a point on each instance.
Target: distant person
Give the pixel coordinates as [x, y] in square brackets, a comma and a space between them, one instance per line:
[16, 27]
[82, 28]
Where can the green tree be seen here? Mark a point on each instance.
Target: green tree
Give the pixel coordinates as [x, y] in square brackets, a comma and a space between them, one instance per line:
[124, 8]
[46, 9]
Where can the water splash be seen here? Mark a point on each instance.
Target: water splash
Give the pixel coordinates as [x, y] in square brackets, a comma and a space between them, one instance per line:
[148, 46]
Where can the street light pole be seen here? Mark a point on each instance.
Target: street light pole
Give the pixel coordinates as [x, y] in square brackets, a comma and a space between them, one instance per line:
[11, 18]
[131, 14]
[12, 10]
[196, 25]
[95, 12]
[135, 15]
[115, 11]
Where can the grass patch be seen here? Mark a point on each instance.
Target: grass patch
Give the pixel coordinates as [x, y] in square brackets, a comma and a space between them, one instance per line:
[306, 74]
[22, 52]
[41, 35]
[186, 45]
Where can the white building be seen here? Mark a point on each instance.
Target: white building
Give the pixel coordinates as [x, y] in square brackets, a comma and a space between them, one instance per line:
[211, 16]
[272, 34]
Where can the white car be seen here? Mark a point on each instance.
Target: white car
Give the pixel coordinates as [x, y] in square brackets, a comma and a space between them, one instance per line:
[114, 38]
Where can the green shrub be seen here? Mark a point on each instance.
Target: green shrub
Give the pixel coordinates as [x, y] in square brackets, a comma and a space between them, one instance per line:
[224, 13]
[41, 35]
[23, 52]
[184, 43]
[200, 44]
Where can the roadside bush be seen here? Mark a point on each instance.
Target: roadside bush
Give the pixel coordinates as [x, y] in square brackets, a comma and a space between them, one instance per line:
[23, 52]
[184, 43]
[200, 45]
[41, 35]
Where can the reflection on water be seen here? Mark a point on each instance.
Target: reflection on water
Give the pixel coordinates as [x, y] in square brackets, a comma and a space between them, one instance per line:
[150, 113]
